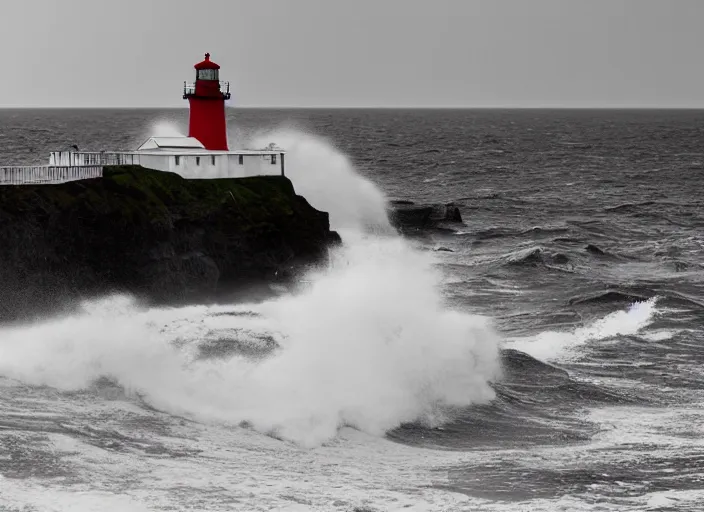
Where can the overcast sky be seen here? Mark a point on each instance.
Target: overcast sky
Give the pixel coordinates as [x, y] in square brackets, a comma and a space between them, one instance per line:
[380, 53]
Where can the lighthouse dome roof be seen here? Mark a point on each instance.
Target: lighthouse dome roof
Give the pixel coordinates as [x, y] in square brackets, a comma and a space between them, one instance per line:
[206, 64]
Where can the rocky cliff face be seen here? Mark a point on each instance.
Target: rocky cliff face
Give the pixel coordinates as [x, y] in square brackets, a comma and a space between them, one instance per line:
[152, 234]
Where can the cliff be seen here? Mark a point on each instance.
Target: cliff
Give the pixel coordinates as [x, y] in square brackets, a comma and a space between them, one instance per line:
[152, 234]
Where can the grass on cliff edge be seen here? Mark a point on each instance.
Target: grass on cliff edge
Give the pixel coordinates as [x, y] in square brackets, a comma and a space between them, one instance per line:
[204, 195]
[140, 192]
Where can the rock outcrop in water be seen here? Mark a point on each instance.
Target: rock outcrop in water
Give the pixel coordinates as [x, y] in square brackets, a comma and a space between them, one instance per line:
[408, 216]
[152, 234]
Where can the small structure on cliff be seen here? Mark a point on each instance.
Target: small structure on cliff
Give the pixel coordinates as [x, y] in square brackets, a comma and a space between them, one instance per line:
[204, 154]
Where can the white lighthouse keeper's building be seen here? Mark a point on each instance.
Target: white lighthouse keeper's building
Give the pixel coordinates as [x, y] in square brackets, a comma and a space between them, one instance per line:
[187, 156]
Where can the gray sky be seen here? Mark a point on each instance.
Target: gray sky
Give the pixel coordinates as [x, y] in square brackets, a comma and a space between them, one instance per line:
[388, 53]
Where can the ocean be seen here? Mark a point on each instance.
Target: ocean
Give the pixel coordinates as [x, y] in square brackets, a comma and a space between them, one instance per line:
[550, 357]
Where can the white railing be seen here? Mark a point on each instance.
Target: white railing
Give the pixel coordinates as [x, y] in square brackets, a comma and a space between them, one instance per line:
[83, 158]
[37, 174]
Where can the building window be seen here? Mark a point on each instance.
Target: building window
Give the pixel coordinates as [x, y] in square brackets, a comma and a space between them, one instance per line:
[273, 159]
[212, 159]
[208, 74]
[197, 160]
[178, 160]
[241, 159]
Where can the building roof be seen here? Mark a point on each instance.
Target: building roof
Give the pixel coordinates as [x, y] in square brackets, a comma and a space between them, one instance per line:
[206, 152]
[171, 143]
[206, 64]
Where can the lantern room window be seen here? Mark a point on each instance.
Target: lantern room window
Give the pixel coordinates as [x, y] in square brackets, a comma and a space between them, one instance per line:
[208, 74]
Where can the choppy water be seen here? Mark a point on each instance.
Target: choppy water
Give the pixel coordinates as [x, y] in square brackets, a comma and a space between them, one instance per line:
[578, 271]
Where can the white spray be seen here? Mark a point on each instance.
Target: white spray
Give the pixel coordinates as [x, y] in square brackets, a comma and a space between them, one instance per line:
[327, 178]
[166, 129]
[369, 343]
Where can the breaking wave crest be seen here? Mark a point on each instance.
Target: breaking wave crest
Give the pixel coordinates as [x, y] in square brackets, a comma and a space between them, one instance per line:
[552, 346]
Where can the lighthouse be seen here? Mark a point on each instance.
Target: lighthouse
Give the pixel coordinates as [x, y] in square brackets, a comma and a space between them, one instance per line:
[207, 98]
[203, 154]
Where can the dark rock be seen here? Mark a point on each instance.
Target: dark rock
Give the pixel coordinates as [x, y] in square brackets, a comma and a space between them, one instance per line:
[443, 249]
[406, 215]
[452, 213]
[152, 234]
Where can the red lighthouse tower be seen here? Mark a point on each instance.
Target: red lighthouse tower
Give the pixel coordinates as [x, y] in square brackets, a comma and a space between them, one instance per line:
[207, 103]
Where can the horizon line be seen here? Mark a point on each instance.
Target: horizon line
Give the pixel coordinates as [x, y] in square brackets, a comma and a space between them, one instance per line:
[371, 107]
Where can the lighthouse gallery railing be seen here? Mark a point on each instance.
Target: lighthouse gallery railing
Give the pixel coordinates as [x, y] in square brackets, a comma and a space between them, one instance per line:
[189, 88]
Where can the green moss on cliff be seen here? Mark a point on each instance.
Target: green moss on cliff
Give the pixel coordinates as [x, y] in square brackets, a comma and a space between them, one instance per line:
[140, 192]
[158, 190]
